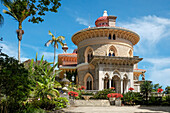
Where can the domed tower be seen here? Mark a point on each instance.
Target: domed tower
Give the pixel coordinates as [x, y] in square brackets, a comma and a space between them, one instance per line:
[105, 55]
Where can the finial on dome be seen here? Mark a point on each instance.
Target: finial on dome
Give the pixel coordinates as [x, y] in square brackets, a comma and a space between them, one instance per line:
[105, 13]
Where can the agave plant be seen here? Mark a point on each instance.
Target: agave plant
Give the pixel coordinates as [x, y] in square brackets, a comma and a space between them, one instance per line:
[43, 79]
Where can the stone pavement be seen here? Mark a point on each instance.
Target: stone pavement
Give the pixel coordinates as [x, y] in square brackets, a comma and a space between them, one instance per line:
[122, 109]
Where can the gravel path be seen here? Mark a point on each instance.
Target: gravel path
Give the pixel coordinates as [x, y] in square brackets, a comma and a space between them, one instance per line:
[123, 109]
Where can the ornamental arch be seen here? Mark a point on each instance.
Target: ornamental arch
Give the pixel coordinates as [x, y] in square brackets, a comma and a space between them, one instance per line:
[88, 54]
[88, 81]
[112, 51]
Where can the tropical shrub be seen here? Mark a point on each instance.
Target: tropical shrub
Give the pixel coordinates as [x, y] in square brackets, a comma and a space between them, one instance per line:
[146, 89]
[14, 84]
[103, 94]
[44, 91]
[73, 94]
[114, 95]
[167, 90]
[159, 90]
[132, 98]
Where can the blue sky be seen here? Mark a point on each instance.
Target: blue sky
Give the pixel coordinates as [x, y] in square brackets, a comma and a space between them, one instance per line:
[149, 18]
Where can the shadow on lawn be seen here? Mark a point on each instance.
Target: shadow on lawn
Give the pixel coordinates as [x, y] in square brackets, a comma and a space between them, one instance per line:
[157, 109]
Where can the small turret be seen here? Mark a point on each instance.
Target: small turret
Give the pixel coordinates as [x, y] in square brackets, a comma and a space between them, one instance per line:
[65, 47]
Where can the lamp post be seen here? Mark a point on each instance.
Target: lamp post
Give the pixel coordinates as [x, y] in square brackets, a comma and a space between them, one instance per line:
[72, 78]
[65, 82]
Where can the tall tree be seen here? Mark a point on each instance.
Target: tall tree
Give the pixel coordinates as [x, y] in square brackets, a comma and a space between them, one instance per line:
[55, 42]
[21, 9]
[156, 87]
[146, 88]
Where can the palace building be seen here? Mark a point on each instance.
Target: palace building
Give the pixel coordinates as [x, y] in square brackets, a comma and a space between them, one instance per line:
[104, 57]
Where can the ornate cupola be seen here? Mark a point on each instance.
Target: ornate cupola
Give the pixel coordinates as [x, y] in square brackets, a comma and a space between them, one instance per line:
[65, 47]
[106, 20]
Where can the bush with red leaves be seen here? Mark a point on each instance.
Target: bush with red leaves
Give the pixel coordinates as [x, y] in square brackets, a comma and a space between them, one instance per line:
[116, 95]
[131, 88]
[73, 94]
[160, 90]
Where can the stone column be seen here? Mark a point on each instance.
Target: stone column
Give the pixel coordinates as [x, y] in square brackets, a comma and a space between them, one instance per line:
[121, 80]
[128, 85]
[109, 83]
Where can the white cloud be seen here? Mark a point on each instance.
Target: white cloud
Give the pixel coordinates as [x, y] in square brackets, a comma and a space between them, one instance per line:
[151, 30]
[159, 72]
[48, 55]
[161, 76]
[82, 21]
[12, 51]
[9, 49]
[36, 48]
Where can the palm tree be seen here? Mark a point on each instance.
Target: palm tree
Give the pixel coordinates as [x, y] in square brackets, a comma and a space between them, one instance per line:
[55, 40]
[19, 10]
[1, 20]
[146, 88]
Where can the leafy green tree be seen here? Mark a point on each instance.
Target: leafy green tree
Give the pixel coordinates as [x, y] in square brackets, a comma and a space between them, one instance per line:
[55, 42]
[167, 90]
[14, 83]
[21, 9]
[44, 85]
[156, 87]
[43, 80]
[146, 88]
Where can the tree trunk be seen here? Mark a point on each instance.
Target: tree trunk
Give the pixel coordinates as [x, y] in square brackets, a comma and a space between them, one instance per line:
[54, 58]
[19, 44]
[54, 54]
[19, 40]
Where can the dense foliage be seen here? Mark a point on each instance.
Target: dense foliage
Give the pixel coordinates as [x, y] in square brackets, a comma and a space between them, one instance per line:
[21, 9]
[167, 90]
[26, 91]
[146, 89]
[44, 85]
[103, 94]
[14, 83]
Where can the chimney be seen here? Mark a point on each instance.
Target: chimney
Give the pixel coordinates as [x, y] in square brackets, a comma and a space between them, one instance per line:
[112, 21]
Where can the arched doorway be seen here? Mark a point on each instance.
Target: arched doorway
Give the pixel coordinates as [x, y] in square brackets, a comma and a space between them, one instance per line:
[125, 83]
[106, 81]
[88, 81]
[116, 83]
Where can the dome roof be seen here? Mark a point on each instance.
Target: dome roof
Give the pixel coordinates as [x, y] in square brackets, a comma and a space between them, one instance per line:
[101, 20]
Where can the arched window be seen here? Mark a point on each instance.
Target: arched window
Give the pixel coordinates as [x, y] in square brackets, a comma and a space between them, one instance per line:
[114, 37]
[88, 54]
[112, 51]
[109, 37]
[130, 53]
[88, 57]
[89, 83]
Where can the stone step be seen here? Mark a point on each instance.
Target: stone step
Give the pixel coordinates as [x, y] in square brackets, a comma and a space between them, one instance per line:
[91, 103]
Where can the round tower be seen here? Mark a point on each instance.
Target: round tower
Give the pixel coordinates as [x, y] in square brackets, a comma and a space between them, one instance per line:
[105, 54]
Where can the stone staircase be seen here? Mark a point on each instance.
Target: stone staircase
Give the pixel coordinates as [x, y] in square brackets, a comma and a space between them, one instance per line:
[90, 103]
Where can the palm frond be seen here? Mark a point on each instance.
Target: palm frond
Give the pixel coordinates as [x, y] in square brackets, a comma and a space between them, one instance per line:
[61, 43]
[11, 14]
[60, 37]
[1, 19]
[48, 43]
[49, 32]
